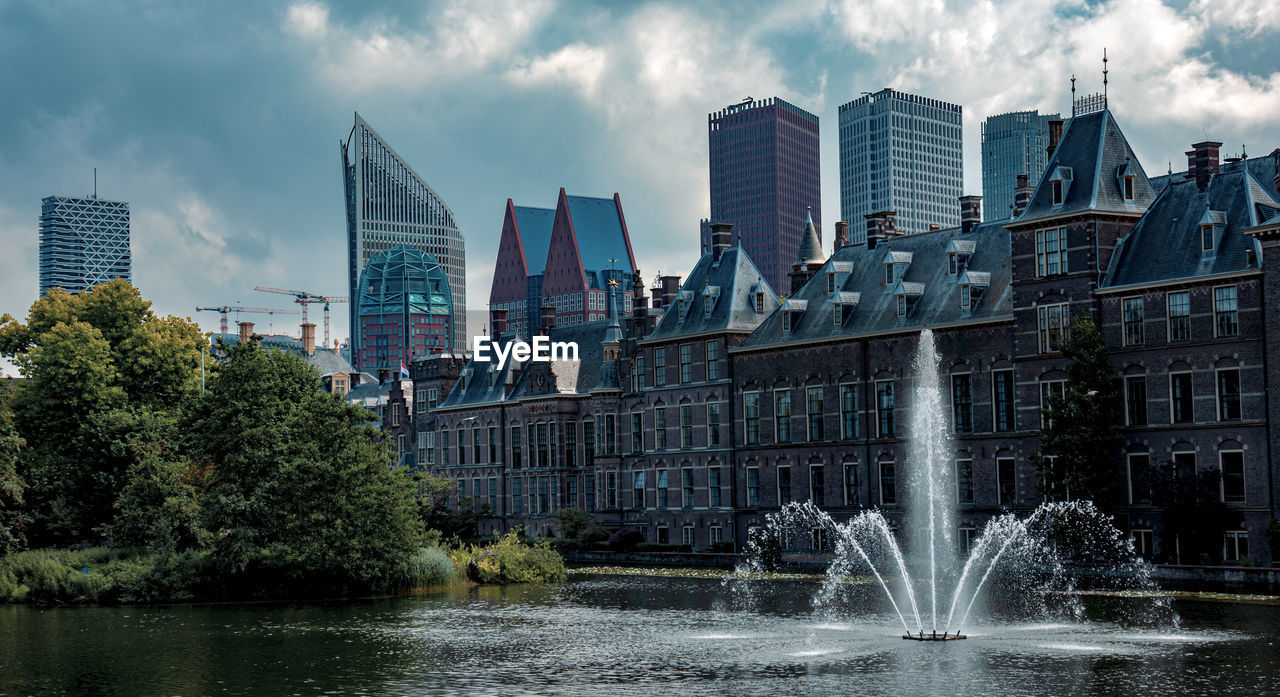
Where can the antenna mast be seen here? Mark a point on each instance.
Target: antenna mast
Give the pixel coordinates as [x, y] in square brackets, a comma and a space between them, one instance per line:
[1104, 78]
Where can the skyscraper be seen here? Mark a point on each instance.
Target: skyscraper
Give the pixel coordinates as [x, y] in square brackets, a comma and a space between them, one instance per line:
[404, 309]
[900, 152]
[1012, 144]
[765, 179]
[83, 242]
[388, 204]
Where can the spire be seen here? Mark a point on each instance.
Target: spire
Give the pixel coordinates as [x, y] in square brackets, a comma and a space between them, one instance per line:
[1104, 78]
[613, 334]
[810, 250]
[1073, 94]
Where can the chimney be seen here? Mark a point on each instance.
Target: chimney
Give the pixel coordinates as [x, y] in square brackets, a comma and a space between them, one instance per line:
[880, 226]
[497, 322]
[309, 338]
[546, 318]
[383, 376]
[842, 236]
[970, 213]
[1202, 162]
[670, 287]
[720, 239]
[1022, 195]
[246, 330]
[1055, 135]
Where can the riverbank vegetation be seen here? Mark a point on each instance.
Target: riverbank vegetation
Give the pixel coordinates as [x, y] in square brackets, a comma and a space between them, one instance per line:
[136, 470]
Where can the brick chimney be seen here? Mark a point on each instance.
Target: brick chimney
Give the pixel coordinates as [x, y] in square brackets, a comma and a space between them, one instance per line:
[1022, 195]
[497, 322]
[1055, 135]
[880, 226]
[970, 213]
[720, 239]
[309, 338]
[246, 330]
[842, 236]
[1202, 162]
[670, 287]
[546, 318]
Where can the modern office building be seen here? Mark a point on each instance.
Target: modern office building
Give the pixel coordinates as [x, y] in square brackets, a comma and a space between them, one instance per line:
[404, 310]
[562, 258]
[765, 179]
[900, 152]
[388, 204]
[83, 242]
[1012, 144]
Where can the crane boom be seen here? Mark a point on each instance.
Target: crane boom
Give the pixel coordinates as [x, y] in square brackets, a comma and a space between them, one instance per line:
[225, 310]
[304, 298]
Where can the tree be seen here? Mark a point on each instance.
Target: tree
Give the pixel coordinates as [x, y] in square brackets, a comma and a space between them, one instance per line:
[1195, 517]
[1081, 437]
[299, 494]
[13, 519]
[159, 507]
[434, 494]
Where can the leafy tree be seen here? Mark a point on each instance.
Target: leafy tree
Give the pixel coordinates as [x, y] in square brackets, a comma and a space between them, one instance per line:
[434, 494]
[13, 519]
[159, 507]
[299, 490]
[1082, 437]
[1194, 513]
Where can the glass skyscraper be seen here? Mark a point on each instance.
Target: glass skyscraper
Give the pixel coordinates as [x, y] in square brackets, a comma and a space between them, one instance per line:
[83, 242]
[765, 179]
[388, 204]
[1012, 144]
[404, 309]
[900, 152]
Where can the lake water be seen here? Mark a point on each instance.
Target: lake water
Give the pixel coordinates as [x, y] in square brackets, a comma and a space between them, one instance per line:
[618, 635]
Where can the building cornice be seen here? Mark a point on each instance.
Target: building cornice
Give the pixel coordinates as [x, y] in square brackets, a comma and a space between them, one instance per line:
[1132, 287]
[997, 319]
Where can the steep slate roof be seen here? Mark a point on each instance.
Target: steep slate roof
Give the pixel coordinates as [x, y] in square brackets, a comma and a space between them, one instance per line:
[599, 228]
[1094, 150]
[810, 249]
[535, 235]
[473, 385]
[1262, 168]
[567, 377]
[1165, 244]
[876, 309]
[737, 279]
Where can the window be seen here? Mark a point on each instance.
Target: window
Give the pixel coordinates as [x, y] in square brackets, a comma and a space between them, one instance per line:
[493, 494]
[517, 496]
[610, 435]
[686, 426]
[759, 302]
[637, 489]
[713, 424]
[1002, 397]
[1236, 545]
[544, 448]
[1224, 311]
[588, 442]
[902, 306]
[493, 444]
[1048, 390]
[817, 487]
[831, 282]
[851, 497]
[660, 428]
[444, 448]
[1135, 398]
[715, 534]
[462, 447]
[753, 487]
[964, 296]
[784, 486]
[1179, 316]
[964, 481]
[659, 367]
[848, 412]
[1133, 322]
[962, 403]
[1051, 252]
[1053, 327]
[1180, 396]
[952, 264]
[686, 535]
[662, 488]
[1184, 463]
[814, 413]
[888, 485]
[663, 535]
[888, 274]
[477, 444]
[517, 436]
[1139, 481]
[1006, 477]
[1232, 464]
[610, 489]
[544, 494]
[965, 539]
[395, 414]
[1128, 188]
[637, 432]
[1057, 191]
[1206, 238]
[817, 539]
[637, 373]
[686, 363]
[713, 360]
[1143, 542]
[686, 488]
[713, 486]
[590, 484]
[432, 398]
[751, 417]
[884, 408]
[782, 415]
[1229, 395]
[420, 401]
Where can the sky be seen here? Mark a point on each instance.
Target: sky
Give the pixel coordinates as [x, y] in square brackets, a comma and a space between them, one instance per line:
[219, 122]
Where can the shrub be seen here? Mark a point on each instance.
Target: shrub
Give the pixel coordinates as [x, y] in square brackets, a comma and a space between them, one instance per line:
[722, 547]
[625, 539]
[511, 561]
[431, 566]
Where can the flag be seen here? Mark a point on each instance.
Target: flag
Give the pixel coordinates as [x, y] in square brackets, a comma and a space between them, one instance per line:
[404, 372]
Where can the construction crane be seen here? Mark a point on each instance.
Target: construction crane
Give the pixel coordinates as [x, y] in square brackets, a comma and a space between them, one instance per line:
[225, 310]
[305, 298]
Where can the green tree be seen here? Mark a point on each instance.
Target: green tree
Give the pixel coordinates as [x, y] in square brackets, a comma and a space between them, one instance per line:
[1194, 513]
[13, 519]
[159, 507]
[434, 494]
[300, 494]
[1081, 439]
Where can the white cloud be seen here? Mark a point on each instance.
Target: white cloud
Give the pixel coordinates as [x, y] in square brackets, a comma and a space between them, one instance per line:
[1251, 16]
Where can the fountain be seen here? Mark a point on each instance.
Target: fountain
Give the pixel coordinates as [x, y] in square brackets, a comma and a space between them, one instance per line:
[1030, 560]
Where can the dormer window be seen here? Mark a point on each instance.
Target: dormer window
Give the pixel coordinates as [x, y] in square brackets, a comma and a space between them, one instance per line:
[965, 297]
[1059, 181]
[1128, 187]
[1206, 237]
[708, 304]
[786, 321]
[759, 302]
[837, 315]
[831, 281]
[888, 274]
[1057, 191]
[952, 264]
[681, 307]
[902, 306]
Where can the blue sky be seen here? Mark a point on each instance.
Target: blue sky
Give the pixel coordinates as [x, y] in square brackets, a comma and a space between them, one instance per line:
[220, 122]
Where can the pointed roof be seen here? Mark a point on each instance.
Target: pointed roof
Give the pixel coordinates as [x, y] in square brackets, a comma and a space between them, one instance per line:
[1091, 159]
[736, 281]
[810, 250]
[533, 226]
